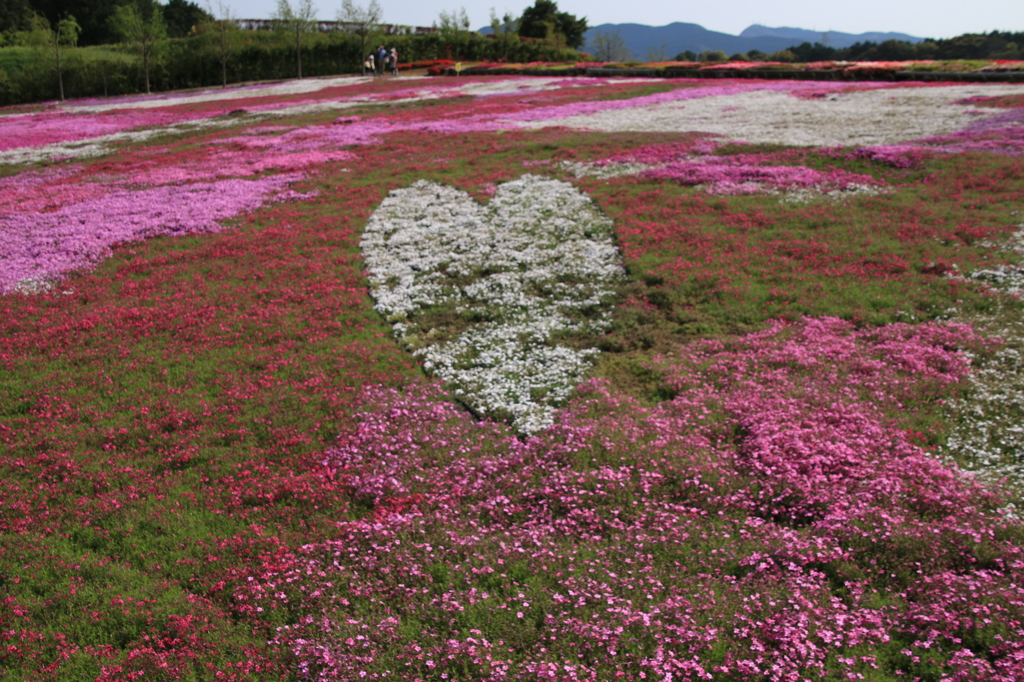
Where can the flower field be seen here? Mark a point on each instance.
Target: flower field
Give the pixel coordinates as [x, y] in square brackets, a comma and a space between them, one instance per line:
[514, 378]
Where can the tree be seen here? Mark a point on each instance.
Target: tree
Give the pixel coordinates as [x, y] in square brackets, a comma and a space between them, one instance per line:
[657, 54]
[686, 56]
[181, 16]
[94, 16]
[15, 15]
[712, 56]
[225, 34]
[1008, 51]
[454, 29]
[300, 20]
[895, 50]
[783, 56]
[544, 21]
[805, 52]
[361, 20]
[609, 46]
[53, 38]
[142, 24]
[503, 30]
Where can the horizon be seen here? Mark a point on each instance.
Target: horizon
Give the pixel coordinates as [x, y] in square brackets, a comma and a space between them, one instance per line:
[940, 19]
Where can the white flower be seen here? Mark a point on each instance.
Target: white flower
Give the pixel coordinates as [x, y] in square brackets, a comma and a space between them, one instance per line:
[987, 438]
[480, 292]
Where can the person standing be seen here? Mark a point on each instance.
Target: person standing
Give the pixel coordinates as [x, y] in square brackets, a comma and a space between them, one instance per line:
[382, 56]
[368, 65]
[394, 61]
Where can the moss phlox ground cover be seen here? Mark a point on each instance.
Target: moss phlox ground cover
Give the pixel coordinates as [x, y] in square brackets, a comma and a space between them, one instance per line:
[732, 174]
[223, 460]
[480, 293]
[763, 481]
[40, 246]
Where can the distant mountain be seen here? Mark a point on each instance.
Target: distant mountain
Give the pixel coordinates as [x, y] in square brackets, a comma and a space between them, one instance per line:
[679, 37]
[834, 39]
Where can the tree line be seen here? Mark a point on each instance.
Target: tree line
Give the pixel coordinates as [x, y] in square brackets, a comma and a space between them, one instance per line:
[96, 47]
[609, 46]
[53, 48]
[995, 45]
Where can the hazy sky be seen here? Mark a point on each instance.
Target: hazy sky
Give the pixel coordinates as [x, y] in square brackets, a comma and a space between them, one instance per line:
[925, 19]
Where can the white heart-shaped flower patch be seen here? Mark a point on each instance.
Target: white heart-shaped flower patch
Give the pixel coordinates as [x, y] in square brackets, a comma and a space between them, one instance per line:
[482, 293]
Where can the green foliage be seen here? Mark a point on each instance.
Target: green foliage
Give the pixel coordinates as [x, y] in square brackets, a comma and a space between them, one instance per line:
[93, 16]
[142, 25]
[15, 15]
[609, 46]
[52, 40]
[196, 61]
[994, 45]
[712, 56]
[24, 76]
[505, 31]
[783, 56]
[362, 21]
[297, 20]
[224, 37]
[183, 17]
[303, 13]
[544, 21]
[454, 29]
[658, 54]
